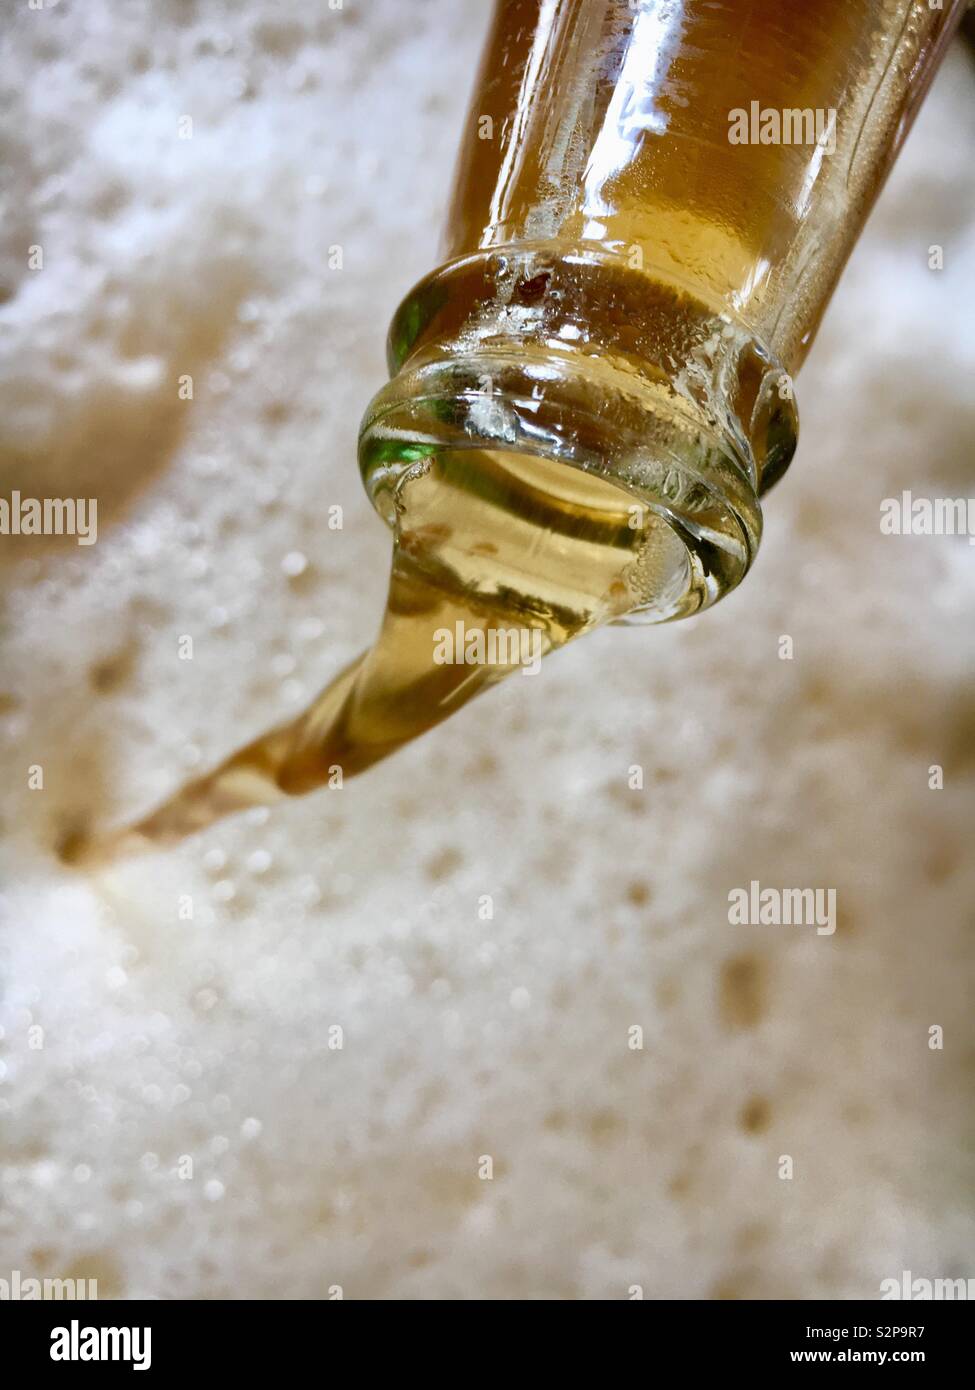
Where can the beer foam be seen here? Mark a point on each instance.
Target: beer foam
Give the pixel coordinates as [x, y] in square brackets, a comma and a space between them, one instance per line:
[383, 986]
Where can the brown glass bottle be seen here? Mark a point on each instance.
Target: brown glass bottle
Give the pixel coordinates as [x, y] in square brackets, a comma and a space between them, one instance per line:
[654, 201]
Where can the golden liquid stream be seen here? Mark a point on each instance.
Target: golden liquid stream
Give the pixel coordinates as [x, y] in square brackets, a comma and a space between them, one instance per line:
[511, 554]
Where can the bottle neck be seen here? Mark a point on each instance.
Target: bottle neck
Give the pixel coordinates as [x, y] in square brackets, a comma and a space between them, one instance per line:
[732, 148]
[569, 354]
[652, 207]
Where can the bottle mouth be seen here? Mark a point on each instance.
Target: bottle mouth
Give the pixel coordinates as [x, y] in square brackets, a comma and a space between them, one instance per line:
[678, 480]
[567, 353]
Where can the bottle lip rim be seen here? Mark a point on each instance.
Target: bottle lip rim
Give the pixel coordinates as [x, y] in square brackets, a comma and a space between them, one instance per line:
[705, 496]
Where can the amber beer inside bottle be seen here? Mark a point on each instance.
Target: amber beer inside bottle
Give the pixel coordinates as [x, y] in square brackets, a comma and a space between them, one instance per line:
[653, 204]
[611, 123]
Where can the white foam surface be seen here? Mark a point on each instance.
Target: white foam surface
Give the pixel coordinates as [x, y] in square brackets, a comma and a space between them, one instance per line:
[213, 1037]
